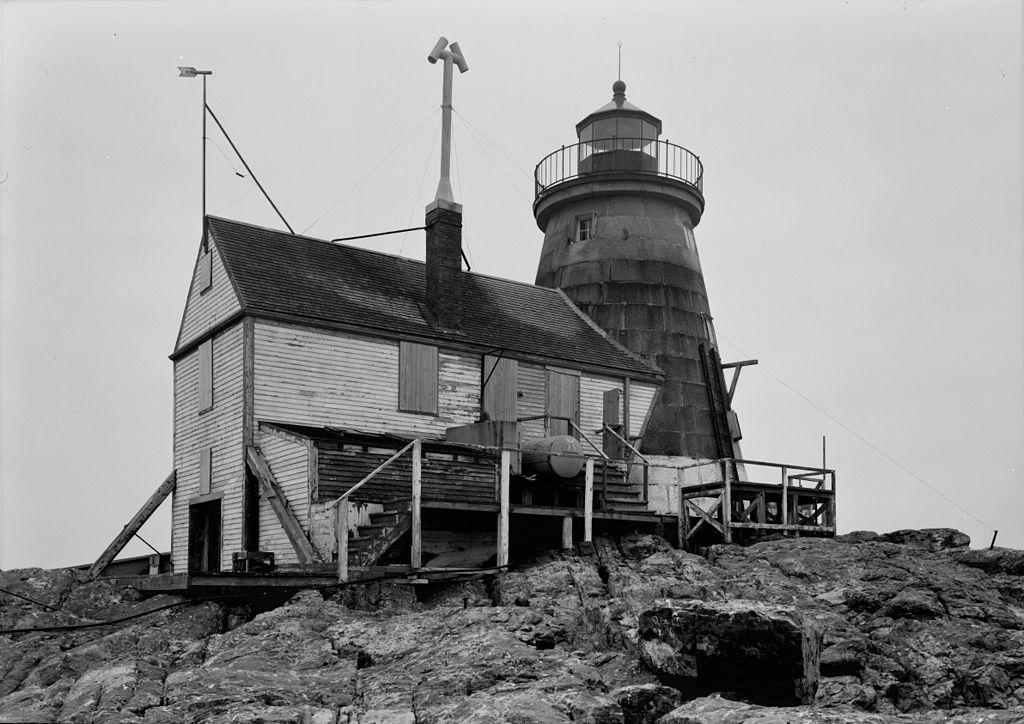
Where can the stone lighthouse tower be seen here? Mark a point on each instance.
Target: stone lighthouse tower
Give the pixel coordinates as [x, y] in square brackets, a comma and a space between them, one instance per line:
[618, 209]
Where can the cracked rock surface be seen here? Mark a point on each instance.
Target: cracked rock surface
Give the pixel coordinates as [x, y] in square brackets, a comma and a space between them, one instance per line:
[910, 626]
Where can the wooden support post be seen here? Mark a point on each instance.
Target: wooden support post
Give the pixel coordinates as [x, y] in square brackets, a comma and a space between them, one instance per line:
[726, 504]
[416, 548]
[503, 509]
[647, 483]
[795, 512]
[604, 485]
[122, 538]
[683, 524]
[341, 513]
[567, 532]
[785, 497]
[832, 503]
[588, 502]
[304, 550]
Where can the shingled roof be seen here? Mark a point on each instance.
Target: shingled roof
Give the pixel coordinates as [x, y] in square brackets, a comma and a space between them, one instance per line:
[320, 283]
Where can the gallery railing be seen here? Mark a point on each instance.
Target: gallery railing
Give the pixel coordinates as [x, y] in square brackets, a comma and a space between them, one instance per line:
[618, 155]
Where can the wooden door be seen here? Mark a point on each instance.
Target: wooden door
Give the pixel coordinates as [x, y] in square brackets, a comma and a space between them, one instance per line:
[204, 537]
[563, 402]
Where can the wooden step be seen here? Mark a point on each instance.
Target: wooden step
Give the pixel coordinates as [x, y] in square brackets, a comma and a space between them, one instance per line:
[390, 517]
[620, 503]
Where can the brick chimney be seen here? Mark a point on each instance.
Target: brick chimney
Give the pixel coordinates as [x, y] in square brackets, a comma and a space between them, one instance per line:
[444, 262]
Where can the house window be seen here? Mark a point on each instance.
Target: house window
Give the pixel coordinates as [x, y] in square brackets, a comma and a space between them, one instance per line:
[417, 378]
[499, 397]
[205, 272]
[205, 470]
[584, 227]
[206, 375]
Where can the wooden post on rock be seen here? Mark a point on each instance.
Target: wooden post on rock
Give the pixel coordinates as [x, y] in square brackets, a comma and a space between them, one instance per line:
[416, 548]
[588, 502]
[503, 510]
[567, 532]
[341, 513]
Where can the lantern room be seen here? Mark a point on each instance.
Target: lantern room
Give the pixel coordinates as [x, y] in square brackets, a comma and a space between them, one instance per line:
[618, 136]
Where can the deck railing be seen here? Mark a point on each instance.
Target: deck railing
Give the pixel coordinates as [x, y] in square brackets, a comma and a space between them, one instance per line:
[619, 155]
[739, 499]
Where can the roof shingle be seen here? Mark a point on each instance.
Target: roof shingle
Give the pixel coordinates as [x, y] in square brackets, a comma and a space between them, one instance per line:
[332, 284]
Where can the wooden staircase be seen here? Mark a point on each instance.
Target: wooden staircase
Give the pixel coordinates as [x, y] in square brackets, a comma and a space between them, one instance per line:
[385, 530]
[620, 495]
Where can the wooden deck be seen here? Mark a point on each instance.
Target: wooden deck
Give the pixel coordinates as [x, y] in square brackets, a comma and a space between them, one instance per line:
[741, 510]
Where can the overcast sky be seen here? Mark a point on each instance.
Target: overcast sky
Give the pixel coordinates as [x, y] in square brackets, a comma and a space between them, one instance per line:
[862, 237]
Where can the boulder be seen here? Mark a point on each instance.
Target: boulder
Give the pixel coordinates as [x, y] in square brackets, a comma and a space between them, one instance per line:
[997, 560]
[768, 654]
[931, 539]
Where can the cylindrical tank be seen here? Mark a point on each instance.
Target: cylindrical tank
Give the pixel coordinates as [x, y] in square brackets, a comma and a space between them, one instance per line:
[560, 456]
[619, 241]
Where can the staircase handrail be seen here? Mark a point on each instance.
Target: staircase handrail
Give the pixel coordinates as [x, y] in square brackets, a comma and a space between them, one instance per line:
[626, 443]
[590, 442]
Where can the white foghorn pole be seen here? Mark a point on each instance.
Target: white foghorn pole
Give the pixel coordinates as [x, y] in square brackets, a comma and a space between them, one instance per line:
[450, 56]
[444, 185]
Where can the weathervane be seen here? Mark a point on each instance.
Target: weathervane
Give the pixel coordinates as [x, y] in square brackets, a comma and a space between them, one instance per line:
[451, 56]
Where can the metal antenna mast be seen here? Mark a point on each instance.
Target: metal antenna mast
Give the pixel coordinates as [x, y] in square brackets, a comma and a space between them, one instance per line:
[620, 60]
[452, 56]
[189, 72]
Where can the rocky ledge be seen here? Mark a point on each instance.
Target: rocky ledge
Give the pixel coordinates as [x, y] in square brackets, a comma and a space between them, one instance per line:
[908, 626]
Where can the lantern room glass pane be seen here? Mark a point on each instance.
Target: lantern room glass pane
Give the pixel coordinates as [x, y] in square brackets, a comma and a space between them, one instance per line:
[604, 128]
[649, 130]
[629, 128]
[587, 133]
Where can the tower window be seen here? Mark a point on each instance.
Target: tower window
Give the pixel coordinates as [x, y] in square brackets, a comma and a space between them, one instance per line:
[585, 227]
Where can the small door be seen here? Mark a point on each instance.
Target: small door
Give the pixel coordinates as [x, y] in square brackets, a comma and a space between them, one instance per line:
[563, 402]
[612, 445]
[204, 537]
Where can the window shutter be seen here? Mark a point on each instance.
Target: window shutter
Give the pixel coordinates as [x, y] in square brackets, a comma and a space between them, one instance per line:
[417, 378]
[205, 470]
[563, 401]
[205, 272]
[206, 375]
[500, 388]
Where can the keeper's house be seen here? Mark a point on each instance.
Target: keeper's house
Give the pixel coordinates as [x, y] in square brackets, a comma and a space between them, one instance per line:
[303, 365]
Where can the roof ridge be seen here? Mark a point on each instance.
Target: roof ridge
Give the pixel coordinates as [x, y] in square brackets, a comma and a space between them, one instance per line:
[504, 280]
[622, 348]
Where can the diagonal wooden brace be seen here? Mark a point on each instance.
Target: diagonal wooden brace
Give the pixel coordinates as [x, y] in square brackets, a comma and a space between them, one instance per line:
[259, 467]
[118, 544]
[705, 516]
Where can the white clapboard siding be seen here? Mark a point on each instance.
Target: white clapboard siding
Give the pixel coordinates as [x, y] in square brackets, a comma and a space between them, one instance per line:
[289, 462]
[205, 310]
[220, 428]
[322, 378]
[641, 400]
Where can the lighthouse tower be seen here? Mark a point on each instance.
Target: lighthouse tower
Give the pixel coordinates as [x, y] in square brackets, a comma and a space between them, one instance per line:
[618, 209]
